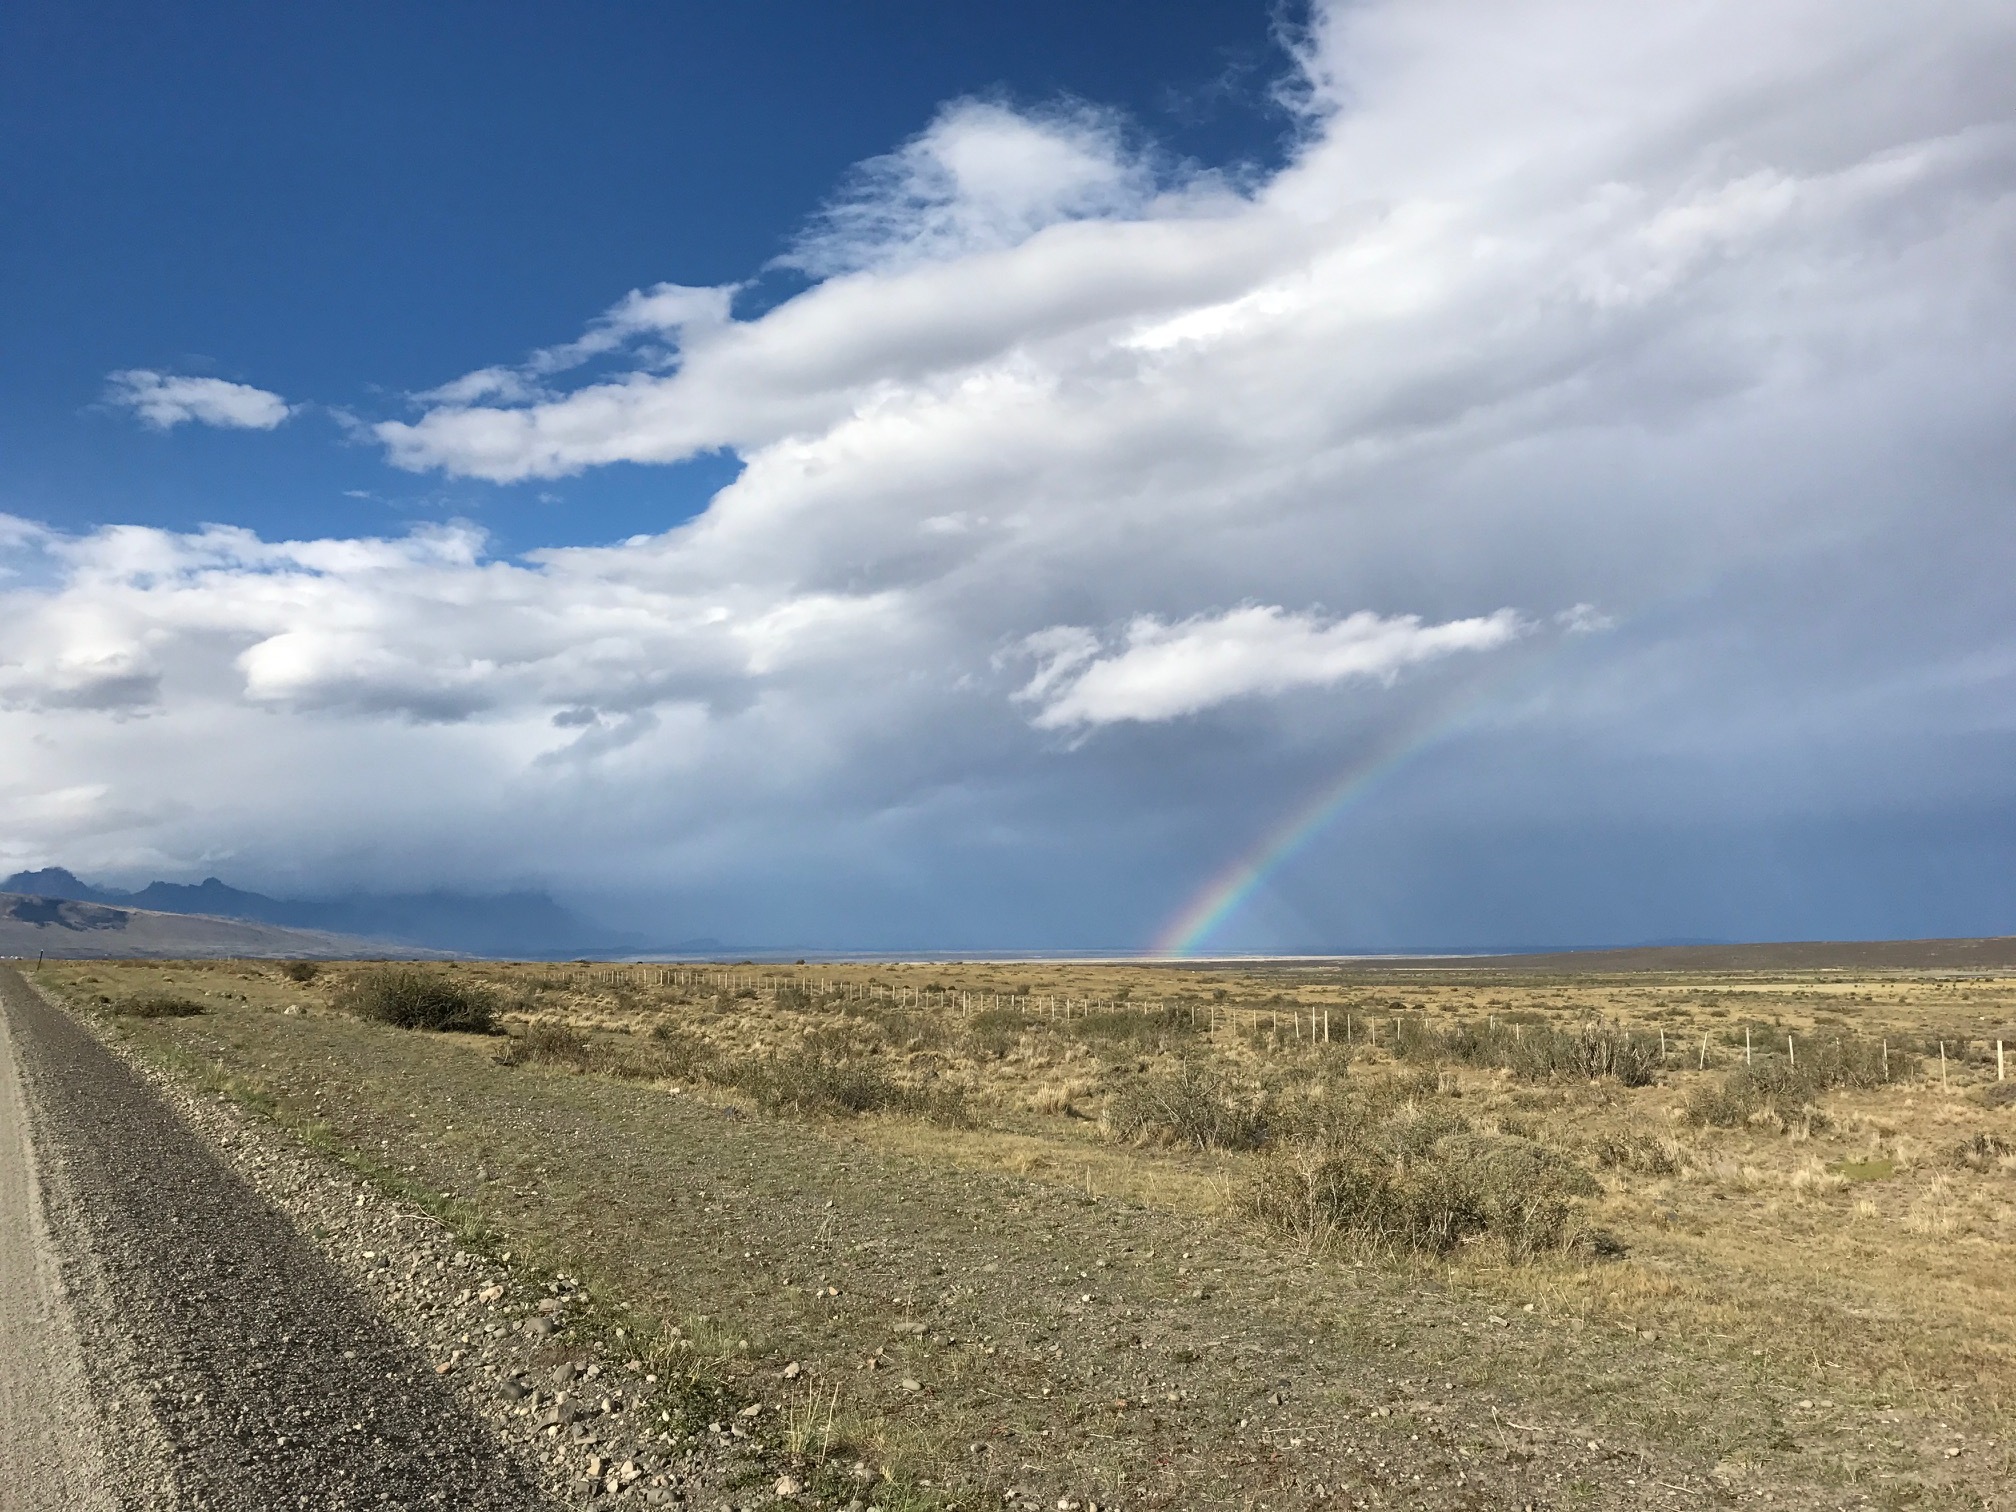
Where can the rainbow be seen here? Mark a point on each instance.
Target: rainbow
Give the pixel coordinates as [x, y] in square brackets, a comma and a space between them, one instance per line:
[1229, 891]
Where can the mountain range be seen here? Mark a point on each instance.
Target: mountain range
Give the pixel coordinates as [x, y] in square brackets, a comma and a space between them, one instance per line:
[515, 924]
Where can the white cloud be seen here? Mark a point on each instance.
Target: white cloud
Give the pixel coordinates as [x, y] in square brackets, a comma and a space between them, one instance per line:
[1164, 671]
[1684, 314]
[1584, 619]
[166, 400]
[665, 311]
[980, 178]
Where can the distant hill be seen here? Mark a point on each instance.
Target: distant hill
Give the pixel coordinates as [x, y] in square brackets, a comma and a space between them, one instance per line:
[519, 923]
[32, 925]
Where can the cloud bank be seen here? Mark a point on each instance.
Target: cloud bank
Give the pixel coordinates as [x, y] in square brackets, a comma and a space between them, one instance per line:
[1555, 305]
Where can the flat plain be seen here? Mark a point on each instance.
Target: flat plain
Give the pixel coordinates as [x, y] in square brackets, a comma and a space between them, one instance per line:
[1262, 1235]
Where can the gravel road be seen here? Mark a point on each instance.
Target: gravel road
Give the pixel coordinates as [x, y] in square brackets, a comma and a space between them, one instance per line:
[49, 1452]
[228, 1365]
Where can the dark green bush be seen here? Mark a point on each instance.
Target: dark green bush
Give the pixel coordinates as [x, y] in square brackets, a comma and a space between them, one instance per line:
[301, 971]
[409, 997]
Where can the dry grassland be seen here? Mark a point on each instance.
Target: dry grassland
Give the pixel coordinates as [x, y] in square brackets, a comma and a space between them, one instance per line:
[1141, 1236]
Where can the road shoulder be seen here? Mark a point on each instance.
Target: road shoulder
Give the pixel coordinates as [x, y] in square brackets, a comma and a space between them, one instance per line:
[52, 1453]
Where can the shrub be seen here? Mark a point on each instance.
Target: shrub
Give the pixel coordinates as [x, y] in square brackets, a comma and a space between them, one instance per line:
[1985, 1151]
[667, 1054]
[159, 1006]
[795, 997]
[301, 971]
[1646, 1154]
[1777, 1086]
[1193, 1109]
[994, 1032]
[1423, 1185]
[407, 997]
[1133, 1027]
[548, 1044]
[811, 1083]
[1532, 1051]
[901, 1027]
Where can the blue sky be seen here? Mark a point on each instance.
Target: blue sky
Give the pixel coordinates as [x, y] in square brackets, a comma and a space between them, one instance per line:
[888, 476]
[347, 203]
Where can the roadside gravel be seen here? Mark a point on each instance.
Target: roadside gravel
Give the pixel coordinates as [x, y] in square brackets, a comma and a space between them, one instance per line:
[478, 1384]
[50, 1454]
[237, 1367]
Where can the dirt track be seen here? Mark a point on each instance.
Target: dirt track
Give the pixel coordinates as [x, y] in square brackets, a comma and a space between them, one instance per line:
[229, 1366]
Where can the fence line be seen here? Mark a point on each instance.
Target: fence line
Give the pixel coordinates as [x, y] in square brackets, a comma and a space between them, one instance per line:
[1307, 1025]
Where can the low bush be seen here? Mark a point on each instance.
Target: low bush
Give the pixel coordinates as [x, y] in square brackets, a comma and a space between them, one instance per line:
[158, 1006]
[1532, 1051]
[1644, 1154]
[993, 1032]
[1423, 1184]
[809, 1083]
[1193, 1109]
[1986, 1152]
[301, 971]
[666, 1054]
[1134, 1028]
[901, 1028]
[1780, 1086]
[823, 1079]
[407, 997]
[796, 997]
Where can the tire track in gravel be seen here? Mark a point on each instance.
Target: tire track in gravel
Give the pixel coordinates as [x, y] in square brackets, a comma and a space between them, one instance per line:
[270, 1381]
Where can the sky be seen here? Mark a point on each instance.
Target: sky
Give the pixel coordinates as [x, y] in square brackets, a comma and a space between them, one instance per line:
[1193, 478]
